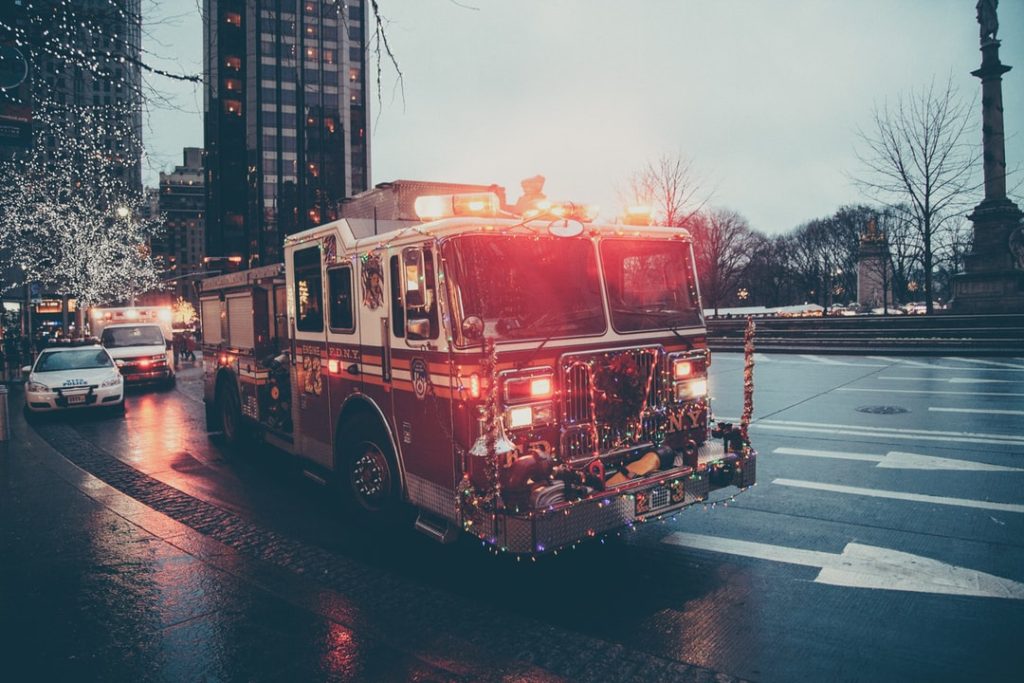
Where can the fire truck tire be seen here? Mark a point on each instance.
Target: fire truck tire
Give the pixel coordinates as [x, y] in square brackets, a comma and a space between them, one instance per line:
[230, 412]
[367, 474]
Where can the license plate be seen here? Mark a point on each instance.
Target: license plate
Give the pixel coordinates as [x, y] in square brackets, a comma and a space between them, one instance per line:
[76, 399]
[658, 498]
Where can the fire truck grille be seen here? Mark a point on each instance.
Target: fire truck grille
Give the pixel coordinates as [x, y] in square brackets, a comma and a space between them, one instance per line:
[584, 432]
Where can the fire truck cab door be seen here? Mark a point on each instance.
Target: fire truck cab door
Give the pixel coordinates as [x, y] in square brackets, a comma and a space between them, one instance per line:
[422, 414]
[311, 392]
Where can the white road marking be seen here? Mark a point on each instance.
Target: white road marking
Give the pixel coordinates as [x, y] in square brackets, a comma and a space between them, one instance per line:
[903, 461]
[959, 368]
[900, 495]
[932, 391]
[980, 411]
[980, 361]
[865, 566]
[887, 432]
[951, 380]
[902, 361]
[822, 359]
[815, 453]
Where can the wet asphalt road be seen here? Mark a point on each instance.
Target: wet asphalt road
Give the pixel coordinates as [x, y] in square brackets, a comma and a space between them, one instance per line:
[851, 559]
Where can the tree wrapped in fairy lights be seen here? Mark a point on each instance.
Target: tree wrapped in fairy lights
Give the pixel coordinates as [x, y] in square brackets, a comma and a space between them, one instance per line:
[69, 215]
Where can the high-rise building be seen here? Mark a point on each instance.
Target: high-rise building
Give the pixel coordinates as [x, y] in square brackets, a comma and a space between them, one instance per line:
[182, 246]
[285, 119]
[82, 54]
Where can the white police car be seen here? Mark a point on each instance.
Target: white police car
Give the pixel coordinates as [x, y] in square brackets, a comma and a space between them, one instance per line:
[71, 376]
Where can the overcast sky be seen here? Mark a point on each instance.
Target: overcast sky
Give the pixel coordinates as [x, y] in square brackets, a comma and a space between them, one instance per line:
[765, 97]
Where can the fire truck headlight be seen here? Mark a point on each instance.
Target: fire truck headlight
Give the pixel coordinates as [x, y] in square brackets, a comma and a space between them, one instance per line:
[695, 388]
[520, 416]
[119, 363]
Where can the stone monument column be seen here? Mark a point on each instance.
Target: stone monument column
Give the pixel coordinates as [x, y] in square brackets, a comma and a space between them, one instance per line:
[874, 273]
[993, 279]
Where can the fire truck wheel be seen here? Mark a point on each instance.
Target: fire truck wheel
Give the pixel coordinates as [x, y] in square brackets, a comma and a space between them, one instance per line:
[230, 412]
[368, 475]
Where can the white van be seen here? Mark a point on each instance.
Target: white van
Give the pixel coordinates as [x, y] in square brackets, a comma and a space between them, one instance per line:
[139, 340]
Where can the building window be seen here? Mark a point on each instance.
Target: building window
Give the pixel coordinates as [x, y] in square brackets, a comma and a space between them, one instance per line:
[310, 53]
[233, 18]
[353, 75]
[233, 107]
[233, 62]
[232, 85]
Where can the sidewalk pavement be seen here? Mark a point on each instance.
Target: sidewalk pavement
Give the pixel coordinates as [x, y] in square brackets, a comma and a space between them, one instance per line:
[96, 586]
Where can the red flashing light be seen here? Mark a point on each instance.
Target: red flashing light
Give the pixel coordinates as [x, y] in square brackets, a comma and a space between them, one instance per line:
[681, 369]
[541, 387]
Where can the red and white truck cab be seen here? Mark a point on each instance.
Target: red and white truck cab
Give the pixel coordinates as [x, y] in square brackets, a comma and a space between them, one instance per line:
[532, 380]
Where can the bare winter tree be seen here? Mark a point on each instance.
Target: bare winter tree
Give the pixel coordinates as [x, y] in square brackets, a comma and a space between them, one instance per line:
[954, 242]
[920, 152]
[721, 244]
[668, 185]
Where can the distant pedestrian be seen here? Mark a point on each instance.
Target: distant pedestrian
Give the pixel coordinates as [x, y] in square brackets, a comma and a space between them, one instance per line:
[190, 347]
[176, 348]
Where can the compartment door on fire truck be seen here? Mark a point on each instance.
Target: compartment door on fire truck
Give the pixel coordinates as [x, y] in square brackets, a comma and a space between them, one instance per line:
[420, 398]
[312, 389]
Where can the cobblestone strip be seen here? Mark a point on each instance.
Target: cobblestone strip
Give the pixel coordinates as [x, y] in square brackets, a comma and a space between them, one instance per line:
[418, 615]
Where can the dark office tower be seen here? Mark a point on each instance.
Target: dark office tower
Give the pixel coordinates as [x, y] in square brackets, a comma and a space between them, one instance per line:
[81, 54]
[286, 113]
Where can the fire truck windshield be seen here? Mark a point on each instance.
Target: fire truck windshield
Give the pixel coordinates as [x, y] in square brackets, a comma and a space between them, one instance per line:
[650, 284]
[525, 287]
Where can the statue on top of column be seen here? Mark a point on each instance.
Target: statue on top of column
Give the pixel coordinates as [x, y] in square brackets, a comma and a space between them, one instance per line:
[987, 19]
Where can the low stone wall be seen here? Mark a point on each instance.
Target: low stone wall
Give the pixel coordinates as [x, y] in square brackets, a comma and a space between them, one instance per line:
[979, 335]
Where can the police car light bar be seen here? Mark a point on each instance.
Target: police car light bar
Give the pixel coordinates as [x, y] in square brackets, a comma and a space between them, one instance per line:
[434, 207]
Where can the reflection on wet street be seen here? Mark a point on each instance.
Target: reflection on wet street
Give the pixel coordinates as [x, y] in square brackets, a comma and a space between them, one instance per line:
[143, 548]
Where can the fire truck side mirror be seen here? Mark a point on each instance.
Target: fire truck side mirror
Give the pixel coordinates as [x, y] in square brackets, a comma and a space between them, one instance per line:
[472, 328]
[417, 328]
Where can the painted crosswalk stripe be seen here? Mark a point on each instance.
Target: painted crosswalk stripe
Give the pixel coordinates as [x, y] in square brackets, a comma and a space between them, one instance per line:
[902, 361]
[950, 380]
[980, 361]
[931, 391]
[865, 566]
[823, 360]
[900, 495]
[901, 460]
[886, 432]
[978, 411]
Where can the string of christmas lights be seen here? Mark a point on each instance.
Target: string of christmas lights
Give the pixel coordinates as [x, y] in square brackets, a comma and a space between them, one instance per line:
[70, 217]
[748, 377]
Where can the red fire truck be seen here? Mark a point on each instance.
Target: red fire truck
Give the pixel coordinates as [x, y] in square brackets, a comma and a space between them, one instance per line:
[532, 379]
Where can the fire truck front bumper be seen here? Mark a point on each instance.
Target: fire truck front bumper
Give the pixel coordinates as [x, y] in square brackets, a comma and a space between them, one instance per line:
[601, 513]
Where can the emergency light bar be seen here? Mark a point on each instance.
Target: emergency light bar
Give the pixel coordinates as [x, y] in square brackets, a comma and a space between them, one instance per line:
[585, 213]
[434, 207]
[638, 215]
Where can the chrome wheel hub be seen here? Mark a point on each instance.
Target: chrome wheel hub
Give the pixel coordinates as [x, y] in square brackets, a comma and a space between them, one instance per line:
[370, 477]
